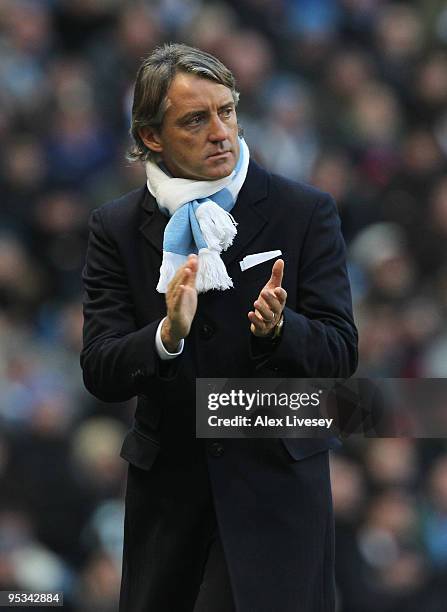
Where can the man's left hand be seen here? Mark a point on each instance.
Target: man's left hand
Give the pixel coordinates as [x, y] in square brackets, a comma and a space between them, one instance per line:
[269, 304]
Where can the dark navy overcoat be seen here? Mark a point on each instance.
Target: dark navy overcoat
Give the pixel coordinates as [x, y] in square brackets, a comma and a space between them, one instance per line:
[272, 498]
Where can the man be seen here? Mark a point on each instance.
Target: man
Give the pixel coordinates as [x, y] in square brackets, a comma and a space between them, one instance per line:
[240, 525]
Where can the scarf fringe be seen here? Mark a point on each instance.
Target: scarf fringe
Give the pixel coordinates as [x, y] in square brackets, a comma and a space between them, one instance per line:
[203, 226]
[167, 271]
[212, 273]
[218, 227]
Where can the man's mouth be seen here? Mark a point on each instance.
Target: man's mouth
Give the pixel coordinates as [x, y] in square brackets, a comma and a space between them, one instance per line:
[219, 154]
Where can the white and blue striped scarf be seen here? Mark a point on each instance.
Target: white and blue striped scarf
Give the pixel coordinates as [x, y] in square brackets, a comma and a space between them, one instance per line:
[200, 221]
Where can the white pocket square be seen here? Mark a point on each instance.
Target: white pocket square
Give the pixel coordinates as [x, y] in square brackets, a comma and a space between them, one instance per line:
[253, 260]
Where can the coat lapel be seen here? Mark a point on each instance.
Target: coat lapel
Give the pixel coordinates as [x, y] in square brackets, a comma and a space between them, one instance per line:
[154, 222]
[250, 218]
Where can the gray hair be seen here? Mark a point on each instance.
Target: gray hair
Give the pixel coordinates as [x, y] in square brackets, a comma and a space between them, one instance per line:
[154, 77]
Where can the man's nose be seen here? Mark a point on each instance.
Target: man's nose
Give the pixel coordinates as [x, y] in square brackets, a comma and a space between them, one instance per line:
[218, 130]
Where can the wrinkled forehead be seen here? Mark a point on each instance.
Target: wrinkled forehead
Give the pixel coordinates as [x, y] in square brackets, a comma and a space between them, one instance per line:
[189, 92]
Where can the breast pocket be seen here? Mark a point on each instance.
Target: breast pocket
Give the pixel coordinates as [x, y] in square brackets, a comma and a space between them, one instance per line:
[259, 273]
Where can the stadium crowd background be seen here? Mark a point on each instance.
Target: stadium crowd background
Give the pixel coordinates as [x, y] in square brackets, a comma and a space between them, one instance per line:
[350, 96]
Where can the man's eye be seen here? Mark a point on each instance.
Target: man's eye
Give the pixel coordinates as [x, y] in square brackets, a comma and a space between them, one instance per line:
[227, 112]
[195, 120]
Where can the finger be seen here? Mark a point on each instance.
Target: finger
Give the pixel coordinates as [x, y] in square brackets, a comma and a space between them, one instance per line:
[281, 294]
[277, 273]
[269, 306]
[176, 298]
[264, 310]
[257, 321]
[188, 276]
[184, 292]
[187, 273]
[172, 285]
[182, 281]
[256, 318]
[190, 264]
[193, 265]
[177, 279]
[193, 262]
[271, 300]
[258, 326]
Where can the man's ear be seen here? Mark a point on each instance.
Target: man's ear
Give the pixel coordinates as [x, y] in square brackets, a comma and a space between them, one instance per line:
[151, 139]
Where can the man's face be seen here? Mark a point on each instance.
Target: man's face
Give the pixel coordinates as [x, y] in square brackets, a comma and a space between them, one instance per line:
[199, 135]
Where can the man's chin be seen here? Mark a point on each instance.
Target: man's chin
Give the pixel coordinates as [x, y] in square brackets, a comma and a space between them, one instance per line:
[220, 170]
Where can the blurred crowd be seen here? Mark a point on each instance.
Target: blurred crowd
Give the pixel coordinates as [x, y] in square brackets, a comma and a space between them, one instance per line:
[349, 95]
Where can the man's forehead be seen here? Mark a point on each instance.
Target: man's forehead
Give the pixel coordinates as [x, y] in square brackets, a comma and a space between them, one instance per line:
[188, 92]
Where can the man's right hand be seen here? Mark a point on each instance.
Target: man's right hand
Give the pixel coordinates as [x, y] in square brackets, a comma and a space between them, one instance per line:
[181, 304]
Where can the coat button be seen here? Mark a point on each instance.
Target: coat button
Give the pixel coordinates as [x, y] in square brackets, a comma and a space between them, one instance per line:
[216, 449]
[206, 331]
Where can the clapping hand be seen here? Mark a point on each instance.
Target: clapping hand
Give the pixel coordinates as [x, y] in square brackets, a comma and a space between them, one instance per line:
[181, 304]
[270, 303]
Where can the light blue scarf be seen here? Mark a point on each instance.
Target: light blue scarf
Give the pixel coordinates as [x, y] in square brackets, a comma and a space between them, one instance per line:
[200, 221]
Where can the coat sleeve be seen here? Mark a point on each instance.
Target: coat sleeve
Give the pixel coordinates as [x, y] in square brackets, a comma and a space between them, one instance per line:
[319, 338]
[117, 358]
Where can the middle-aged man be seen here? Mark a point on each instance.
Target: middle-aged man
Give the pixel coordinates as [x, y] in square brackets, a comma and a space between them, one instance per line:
[227, 525]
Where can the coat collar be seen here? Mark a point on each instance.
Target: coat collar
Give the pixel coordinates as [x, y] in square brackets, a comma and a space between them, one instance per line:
[250, 218]
[154, 221]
